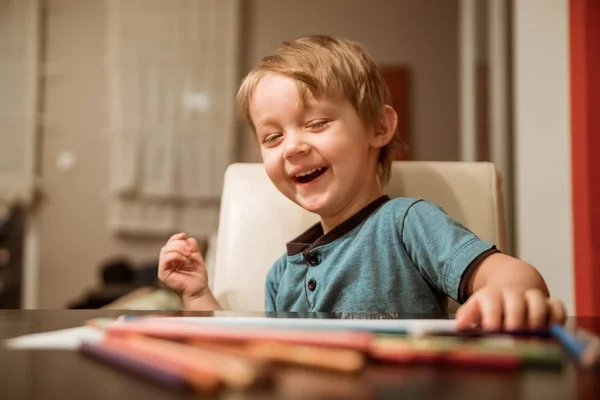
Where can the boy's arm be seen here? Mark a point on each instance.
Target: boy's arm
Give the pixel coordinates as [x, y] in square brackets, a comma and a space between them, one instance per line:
[207, 301]
[204, 302]
[502, 270]
[506, 293]
[501, 291]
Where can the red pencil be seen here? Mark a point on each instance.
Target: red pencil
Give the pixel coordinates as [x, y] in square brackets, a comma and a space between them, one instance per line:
[441, 351]
[184, 331]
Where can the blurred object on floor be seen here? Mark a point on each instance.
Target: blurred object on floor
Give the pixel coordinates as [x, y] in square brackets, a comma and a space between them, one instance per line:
[126, 285]
[147, 298]
[12, 229]
[117, 280]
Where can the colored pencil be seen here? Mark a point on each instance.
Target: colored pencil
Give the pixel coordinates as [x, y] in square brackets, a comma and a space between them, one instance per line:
[135, 365]
[574, 346]
[586, 352]
[186, 331]
[201, 377]
[591, 357]
[337, 360]
[234, 371]
[494, 351]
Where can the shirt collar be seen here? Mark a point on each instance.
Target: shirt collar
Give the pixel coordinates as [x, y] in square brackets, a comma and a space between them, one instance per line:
[314, 236]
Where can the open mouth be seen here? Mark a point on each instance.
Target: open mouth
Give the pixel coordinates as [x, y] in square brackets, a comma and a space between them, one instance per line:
[311, 175]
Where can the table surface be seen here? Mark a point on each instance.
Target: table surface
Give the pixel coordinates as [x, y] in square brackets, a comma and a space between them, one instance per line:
[47, 374]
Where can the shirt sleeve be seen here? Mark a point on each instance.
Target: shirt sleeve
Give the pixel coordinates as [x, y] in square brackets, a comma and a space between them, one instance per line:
[272, 286]
[441, 248]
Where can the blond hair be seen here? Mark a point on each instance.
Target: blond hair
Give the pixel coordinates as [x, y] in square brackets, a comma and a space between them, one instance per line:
[327, 66]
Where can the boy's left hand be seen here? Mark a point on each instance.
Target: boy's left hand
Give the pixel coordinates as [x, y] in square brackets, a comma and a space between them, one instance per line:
[494, 308]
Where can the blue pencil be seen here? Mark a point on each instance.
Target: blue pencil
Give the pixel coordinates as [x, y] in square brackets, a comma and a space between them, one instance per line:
[575, 346]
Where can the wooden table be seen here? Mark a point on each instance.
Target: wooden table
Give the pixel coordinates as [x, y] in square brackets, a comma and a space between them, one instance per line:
[69, 375]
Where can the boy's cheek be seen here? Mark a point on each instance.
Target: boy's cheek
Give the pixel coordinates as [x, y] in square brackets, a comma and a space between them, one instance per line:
[275, 172]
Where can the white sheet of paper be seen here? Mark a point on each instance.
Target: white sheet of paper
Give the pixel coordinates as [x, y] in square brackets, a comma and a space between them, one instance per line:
[413, 326]
[64, 339]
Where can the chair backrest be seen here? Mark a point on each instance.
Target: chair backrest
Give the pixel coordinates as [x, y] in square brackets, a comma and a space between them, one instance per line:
[256, 220]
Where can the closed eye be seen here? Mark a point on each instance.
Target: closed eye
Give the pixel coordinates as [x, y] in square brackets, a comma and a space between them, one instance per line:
[318, 125]
[271, 138]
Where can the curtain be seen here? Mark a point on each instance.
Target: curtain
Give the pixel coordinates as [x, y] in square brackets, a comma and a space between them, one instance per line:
[173, 75]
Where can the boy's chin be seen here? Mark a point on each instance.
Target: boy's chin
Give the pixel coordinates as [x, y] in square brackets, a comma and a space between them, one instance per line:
[316, 204]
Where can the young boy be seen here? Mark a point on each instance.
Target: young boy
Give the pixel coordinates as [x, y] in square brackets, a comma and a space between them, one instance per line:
[320, 112]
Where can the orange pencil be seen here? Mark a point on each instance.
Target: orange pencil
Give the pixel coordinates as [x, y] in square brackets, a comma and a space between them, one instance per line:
[339, 360]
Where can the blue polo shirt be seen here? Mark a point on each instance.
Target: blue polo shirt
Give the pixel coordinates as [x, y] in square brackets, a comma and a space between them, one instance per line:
[396, 255]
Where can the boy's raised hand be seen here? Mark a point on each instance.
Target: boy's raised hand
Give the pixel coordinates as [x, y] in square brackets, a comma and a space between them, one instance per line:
[509, 308]
[181, 267]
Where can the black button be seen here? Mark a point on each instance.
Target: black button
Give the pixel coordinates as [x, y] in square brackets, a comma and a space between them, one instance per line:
[313, 259]
[312, 285]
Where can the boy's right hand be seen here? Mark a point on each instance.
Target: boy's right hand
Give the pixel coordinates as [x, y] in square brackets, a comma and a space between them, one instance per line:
[182, 269]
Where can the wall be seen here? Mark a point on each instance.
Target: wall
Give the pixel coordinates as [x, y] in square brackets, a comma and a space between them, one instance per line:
[542, 142]
[422, 34]
[73, 238]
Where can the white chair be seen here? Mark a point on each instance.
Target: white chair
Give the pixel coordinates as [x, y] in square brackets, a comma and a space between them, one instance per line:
[256, 220]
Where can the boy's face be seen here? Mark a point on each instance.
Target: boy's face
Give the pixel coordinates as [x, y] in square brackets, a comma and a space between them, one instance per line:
[319, 155]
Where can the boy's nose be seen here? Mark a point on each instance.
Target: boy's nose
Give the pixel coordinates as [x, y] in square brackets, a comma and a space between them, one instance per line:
[295, 145]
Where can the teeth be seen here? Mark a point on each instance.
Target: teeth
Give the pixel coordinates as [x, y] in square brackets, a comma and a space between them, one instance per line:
[308, 172]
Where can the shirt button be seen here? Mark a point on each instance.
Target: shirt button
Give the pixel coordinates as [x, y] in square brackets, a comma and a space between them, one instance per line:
[313, 259]
[312, 285]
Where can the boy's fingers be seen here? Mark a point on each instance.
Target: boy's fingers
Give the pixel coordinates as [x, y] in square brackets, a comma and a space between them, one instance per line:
[491, 311]
[176, 247]
[177, 236]
[514, 312]
[468, 315]
[171, 260]
[193, 244]
[196, 257]
[191, 263]
[537, 310]
[556, 311]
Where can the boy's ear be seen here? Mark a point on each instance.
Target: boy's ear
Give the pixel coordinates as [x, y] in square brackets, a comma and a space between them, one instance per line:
[386, 128]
